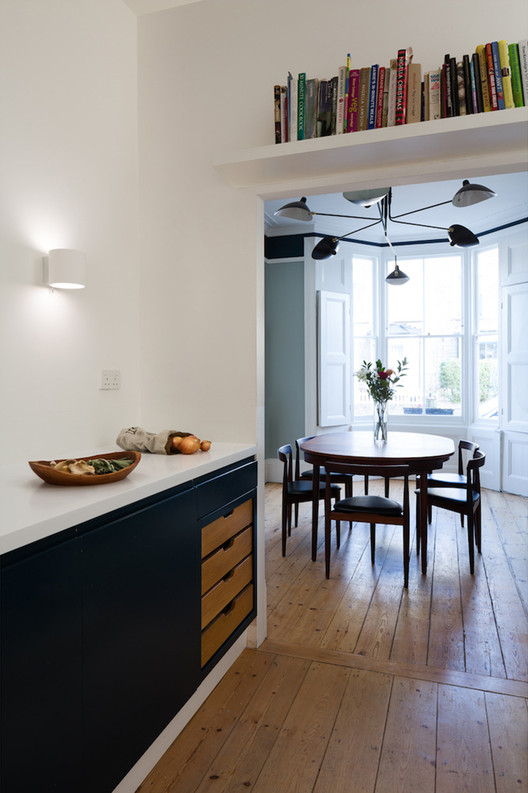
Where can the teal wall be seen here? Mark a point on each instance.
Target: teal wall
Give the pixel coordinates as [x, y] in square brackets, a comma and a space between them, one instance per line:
[284, 403]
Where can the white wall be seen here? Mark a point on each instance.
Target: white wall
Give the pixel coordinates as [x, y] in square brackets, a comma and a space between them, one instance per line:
[68, 165]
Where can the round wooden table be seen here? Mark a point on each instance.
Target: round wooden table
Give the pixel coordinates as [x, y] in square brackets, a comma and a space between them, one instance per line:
[423, 453]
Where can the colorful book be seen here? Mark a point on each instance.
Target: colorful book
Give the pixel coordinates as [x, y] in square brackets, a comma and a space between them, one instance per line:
[301, 101]
[504, 60]
[347, 83]
[333, 82]
[404, 58]
[277, 113]
[284, 114]
[324, 109]
[523, 63]
[292, 107]
[385, 116]
[434, 95]
[310, 109]
[353, 100]
[447, 93]
[484, 82]
[474, 97]
[461, 89]
[491, 78]
[515, 69]
[372, 96]
[475, 64]
[341, 93]
[380, 97]
[498, 75]
[414, 93]
[393, 77]
[364, 75]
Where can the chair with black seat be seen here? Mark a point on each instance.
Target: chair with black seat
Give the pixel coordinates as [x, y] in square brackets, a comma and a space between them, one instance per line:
[369, 508]
[296, 491]
[337, 479]
[466, 449]
[464, 498]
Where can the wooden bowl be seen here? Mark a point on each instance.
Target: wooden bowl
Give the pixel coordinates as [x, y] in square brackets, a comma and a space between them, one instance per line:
[47, 472]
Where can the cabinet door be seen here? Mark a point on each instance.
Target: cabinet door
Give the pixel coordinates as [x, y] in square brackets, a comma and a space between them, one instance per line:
[41, 670]
[141, 582]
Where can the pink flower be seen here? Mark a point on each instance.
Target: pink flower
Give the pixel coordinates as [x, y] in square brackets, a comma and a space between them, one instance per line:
[384, 375]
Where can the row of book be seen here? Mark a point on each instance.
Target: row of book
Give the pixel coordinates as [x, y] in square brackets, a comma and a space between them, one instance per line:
[494, 77]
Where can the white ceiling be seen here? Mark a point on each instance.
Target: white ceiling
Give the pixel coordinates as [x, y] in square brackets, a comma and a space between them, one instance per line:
[141, 7]
[510, 203]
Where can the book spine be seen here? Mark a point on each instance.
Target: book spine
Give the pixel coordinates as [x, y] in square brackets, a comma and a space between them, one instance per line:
[523, 63]
[353, 100]
[491, 78]
[454, 86]
[333, 96]
[347, 98]
[484, 82]
[373, 96]
[448, 93]
[475, 65]
[474, 98]
[301, 101]
[400, 112]
[498, 75]
[434, 95]
[284, 114]
[363, 98]
[504, 60]
[324, 109]
[391, 109]
[515, 69]
[461, 89]
[277, 112]
[468, 89]
[293, 106]
[310, 109]
[414, 93]
[380, 97]
[341, 86]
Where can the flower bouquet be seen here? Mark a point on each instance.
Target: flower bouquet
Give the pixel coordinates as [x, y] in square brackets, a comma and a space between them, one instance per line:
[381, 384]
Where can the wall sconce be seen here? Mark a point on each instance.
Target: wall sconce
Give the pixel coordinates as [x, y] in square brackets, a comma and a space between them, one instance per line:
[65, 268]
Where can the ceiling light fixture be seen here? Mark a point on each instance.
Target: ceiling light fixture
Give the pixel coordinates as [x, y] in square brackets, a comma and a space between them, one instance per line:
[458, 235]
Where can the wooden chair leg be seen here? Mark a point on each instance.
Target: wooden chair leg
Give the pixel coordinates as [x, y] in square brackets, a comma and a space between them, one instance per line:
[387, 486]
[328, 526]
[366, 484]
[430, 513]
[284, 527]
[372, 542]
[406, 552]
[471, 545]
[289, 519]
[296, 515]
[418, 534]
[338, 534]
[478, 528]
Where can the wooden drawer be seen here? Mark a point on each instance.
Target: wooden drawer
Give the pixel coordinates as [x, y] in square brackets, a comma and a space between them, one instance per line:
[226, 589]
[227, 621]
[221, 530]
[215, 567]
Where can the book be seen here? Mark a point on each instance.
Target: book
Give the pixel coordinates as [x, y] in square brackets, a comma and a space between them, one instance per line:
[414, 93]
[284, 114]
[364, 75]
[468, 90]
[515, 69]
[324, 109]
[491, 78]
[447, 93]
[380, 97]
[277, 113]
[475, 65]
[474, 97]
[341, 92]
[385, 116]
[434, 94]
[391, 109]
[454, 85]
[461, 89]
[484, 83]
[353, 100]
[372, 96]
[523, 63]
[498, 74]
[404, 58]
[292, 107]
[504, 60]
[333, 85]
[301, 100]
[347, 83]
[310, 109]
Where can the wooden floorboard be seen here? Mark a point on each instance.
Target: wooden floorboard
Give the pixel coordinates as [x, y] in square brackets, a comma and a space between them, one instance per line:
[364, 687]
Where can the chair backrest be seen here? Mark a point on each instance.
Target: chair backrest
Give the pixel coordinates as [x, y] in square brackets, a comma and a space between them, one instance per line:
[473, 473]
[466, 446]
[285, 454]
[299, 455]
[382, 471]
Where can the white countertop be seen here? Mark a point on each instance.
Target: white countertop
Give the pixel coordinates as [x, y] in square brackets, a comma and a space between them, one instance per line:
[32, 509]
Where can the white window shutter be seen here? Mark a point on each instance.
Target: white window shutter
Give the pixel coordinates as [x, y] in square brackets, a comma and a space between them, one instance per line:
[333, 326]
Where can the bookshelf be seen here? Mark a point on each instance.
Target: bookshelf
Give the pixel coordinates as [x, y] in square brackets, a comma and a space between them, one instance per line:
[479, 144]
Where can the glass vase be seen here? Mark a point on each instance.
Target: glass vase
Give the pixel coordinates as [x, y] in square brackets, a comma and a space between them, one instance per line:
[380, 421]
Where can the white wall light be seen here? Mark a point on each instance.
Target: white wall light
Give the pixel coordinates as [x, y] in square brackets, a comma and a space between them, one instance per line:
[65, 268]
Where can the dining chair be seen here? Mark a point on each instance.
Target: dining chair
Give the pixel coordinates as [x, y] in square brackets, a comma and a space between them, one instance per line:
[345, 479]
[296, 491]
[466, 449]
[368, 508]
[463, 498]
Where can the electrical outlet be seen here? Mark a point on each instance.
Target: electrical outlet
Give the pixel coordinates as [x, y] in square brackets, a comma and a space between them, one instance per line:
[110, 380]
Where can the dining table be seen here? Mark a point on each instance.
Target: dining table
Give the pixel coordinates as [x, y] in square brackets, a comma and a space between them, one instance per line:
[423, 453]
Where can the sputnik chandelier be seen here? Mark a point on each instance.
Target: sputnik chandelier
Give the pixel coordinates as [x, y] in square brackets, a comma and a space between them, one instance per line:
[459, 236]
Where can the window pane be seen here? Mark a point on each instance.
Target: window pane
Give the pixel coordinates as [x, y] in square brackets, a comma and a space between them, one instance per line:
[405, 303]
[443, 385]
[488, 378]
[409, 396]
[487, 323]
[487, 291]
[364, 350]
[362, 296]
[443, 294]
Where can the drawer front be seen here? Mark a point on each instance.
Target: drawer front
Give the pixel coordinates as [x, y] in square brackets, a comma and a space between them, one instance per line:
[220, 531]
[226, 589]
[227, 621]
[216, 566]
[213, 494]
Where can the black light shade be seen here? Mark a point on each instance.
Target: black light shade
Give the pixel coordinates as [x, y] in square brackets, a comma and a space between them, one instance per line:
[397, 277]
[325, 248]
[470, 194]
[297, 210]
[461, 237]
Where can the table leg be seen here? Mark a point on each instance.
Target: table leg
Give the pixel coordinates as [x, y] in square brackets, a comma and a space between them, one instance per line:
[423, 519]
[315, 510]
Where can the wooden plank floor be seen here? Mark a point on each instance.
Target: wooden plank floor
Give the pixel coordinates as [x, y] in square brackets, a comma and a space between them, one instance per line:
[363, 687]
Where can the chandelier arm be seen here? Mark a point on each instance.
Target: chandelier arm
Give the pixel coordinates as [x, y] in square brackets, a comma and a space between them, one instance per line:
[334, 215]
[355, 231]
[413, 211]
[423, 225]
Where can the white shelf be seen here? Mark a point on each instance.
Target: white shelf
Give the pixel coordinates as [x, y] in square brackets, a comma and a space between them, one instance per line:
[483, 143]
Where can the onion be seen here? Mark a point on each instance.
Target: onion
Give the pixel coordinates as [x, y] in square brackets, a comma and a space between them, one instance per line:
[205, 446]
[189, 445]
